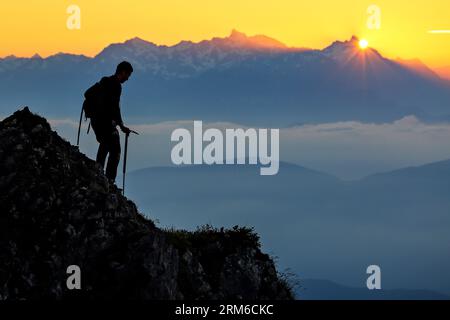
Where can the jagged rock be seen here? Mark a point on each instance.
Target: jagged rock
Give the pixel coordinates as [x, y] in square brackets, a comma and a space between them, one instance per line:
[58, 209]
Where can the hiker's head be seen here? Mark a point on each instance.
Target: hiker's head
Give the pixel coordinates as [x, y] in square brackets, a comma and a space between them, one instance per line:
[123, 71]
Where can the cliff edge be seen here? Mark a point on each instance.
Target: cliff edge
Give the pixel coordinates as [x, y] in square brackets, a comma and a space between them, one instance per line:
[58, 209]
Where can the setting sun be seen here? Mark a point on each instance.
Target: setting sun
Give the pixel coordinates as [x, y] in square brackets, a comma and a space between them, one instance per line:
[363, 43]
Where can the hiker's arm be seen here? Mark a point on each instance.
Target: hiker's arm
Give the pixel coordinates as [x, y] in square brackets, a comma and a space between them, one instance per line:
[118, 117]
[125, 129]
[119, 121]
[117, 114]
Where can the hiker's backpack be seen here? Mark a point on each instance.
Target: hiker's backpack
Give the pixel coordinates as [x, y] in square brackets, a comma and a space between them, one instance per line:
[94, 101]
[93, 105]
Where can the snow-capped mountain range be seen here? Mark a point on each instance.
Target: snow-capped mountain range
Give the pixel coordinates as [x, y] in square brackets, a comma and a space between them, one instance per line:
[250, 79]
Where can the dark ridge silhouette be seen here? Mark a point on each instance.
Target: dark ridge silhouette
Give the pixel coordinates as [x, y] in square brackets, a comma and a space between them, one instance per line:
[58, 209]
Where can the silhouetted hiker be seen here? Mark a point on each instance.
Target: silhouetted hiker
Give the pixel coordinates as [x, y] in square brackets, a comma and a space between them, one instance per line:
[102, 106]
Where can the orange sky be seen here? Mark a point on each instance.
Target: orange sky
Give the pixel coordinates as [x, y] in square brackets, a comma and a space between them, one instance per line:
[39, 26]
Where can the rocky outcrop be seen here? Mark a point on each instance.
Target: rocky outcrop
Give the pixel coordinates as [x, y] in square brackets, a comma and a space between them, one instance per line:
[58, 209]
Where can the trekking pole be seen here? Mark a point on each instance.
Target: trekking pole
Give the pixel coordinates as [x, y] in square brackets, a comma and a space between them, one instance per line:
[79, 128]
[125, 159]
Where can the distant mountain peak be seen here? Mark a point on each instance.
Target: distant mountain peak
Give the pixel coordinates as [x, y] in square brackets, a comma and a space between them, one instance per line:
[36, 56]
[353, 39]
[10, 57]
[349, 49]
[138, 41]
[352, 42]
[235, 34]
[255, 42]
[123, 50]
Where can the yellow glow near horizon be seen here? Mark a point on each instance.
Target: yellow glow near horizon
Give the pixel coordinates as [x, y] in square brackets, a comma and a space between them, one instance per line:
[363, 43]
[29, 27]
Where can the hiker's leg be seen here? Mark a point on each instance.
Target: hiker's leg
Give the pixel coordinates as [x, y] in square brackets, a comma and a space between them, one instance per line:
[102, 152]
[101, 137]
[114, 156]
